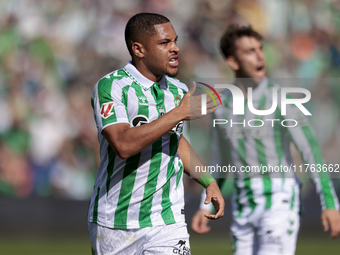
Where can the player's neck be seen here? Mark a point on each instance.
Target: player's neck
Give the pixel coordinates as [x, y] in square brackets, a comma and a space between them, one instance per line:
[244, 83]
[142, 68]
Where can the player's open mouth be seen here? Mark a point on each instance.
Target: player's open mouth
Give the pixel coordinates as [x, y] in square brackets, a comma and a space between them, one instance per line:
[173, 61]
[260, 68]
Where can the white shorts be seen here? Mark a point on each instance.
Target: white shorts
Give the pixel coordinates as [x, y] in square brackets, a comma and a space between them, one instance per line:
[167, 239]
[266, 232]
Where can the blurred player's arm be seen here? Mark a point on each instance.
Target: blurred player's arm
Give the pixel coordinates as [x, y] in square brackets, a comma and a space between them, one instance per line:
[213, 194]
[305, 141]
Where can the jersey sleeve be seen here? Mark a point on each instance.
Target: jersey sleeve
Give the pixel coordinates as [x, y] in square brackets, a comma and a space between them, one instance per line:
[109, 104]
[305, 141]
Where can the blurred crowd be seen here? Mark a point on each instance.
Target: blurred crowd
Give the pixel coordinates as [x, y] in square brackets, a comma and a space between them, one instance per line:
[52, 53]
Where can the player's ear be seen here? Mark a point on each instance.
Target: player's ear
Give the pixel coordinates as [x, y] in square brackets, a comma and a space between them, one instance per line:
[232, 62]
[138, 49]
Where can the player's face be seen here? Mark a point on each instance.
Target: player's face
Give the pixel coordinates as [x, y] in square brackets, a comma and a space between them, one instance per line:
[250, 57]
[162, 51]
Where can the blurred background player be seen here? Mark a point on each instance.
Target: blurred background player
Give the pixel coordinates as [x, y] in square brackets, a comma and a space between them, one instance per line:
[137, 206]
[265, 207]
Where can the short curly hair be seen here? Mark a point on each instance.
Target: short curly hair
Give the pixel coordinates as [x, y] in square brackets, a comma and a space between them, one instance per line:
[141, 26]
[233, 33]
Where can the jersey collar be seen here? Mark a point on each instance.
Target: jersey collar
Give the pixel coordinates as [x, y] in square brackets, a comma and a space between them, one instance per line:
[140, 79]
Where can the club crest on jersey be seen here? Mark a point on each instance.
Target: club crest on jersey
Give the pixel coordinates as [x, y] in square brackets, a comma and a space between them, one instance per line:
[142, 100]
[139, 120]
[106, 110]
[177, 100]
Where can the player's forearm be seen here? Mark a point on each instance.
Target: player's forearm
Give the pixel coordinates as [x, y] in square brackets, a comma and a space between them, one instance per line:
[128, 141]
[187, 156]
[190, 160]
[132, 140]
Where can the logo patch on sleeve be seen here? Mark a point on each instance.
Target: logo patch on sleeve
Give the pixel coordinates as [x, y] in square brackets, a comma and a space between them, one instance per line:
[106, 110]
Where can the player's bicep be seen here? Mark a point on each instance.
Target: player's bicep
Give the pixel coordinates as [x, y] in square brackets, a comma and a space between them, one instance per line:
[114, 134]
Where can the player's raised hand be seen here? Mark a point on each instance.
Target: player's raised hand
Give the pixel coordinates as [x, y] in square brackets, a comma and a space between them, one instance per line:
[331, 220]
[199, 222]
[214, 196]
[191, 106]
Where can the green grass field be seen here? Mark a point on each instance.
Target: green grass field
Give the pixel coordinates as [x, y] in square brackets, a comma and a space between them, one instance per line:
[199, 246]
[305, 247]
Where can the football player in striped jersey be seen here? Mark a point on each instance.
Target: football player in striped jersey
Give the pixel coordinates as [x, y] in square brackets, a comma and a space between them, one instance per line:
[137, 206]
[265, 206]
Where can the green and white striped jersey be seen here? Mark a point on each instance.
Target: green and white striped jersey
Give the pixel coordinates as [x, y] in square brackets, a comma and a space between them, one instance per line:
[241, 145]
[147, 188]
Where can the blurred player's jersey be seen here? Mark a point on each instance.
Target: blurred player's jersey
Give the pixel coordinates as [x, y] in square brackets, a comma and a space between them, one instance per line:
[242, 145]
[146, 189]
